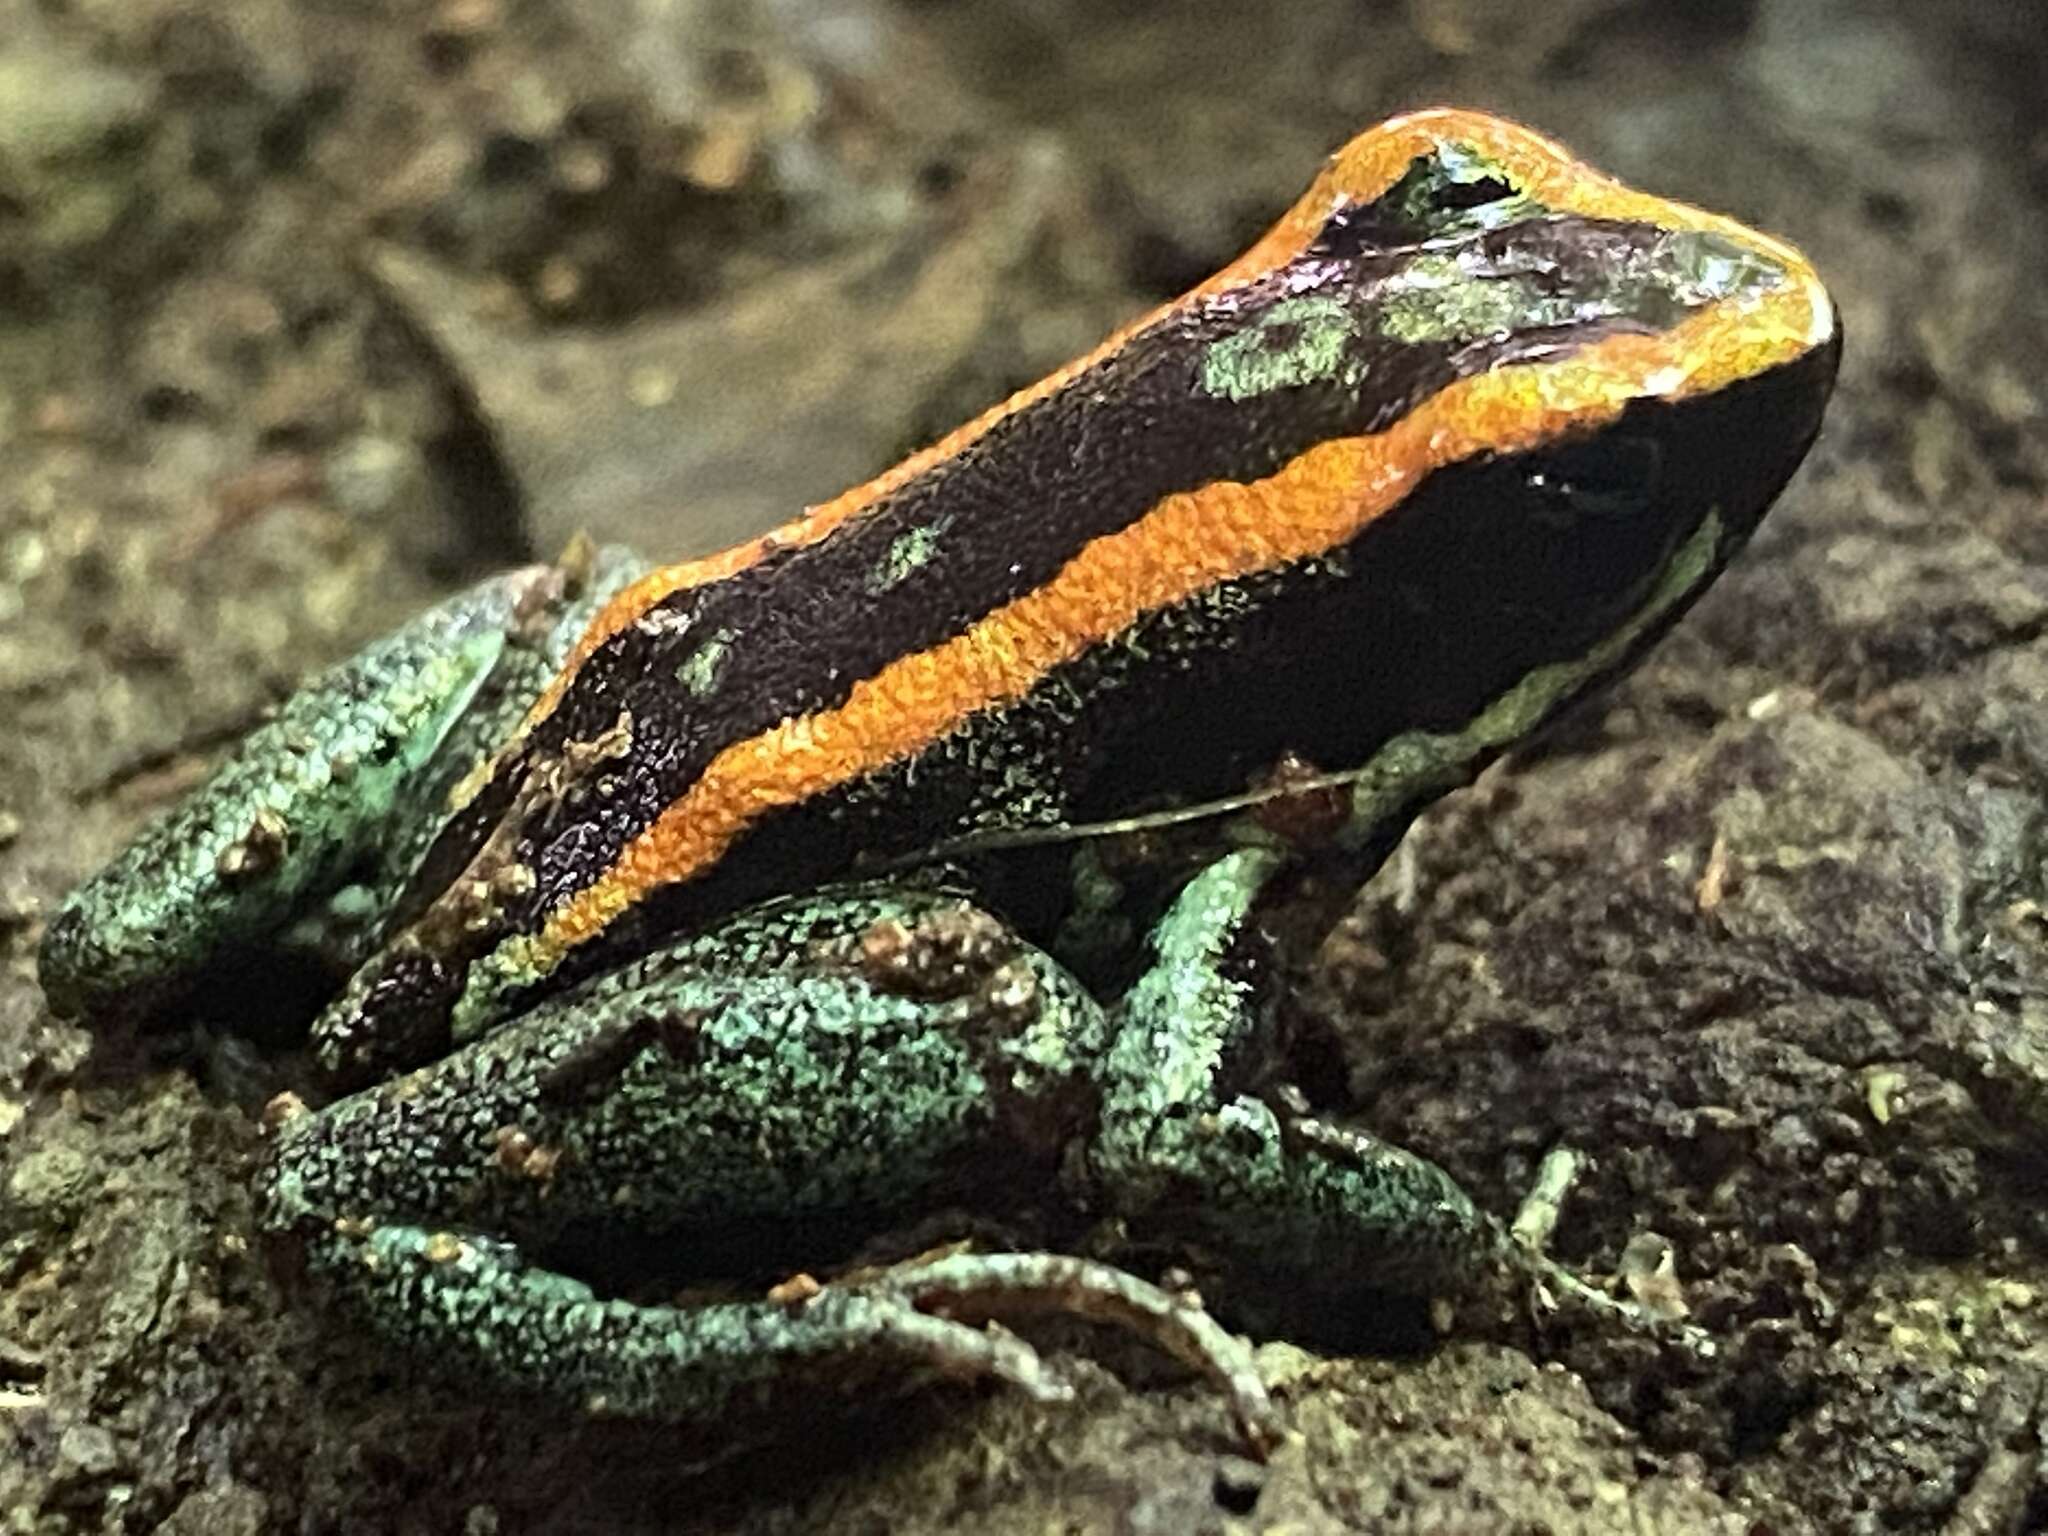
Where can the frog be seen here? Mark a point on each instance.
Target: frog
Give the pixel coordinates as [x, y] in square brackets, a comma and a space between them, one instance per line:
[728, 910]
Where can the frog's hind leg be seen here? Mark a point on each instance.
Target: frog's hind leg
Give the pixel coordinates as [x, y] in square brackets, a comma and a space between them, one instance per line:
[830, 1059]
[347, 783]
[475, 1304]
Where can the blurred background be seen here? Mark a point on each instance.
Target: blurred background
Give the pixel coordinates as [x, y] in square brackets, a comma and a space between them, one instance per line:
[311, 308]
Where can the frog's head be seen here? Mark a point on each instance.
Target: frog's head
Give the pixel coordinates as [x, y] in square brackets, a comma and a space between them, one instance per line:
[1508, 390]
[1456, 272]
[1429, 181]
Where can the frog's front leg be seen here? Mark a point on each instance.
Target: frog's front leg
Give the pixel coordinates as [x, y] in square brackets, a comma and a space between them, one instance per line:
[1195, 1142]
[348, 783]
[822, 1065]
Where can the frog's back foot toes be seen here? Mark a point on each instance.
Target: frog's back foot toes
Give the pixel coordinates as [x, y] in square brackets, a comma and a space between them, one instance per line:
[1556, 1294]
[991, 1286]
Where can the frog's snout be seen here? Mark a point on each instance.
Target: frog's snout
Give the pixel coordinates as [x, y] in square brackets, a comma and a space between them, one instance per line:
[76, 970]
[56, 959]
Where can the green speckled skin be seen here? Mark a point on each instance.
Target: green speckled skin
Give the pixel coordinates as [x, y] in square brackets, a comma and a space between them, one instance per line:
[1185, 1149]
[331, 802]
[759, 1022]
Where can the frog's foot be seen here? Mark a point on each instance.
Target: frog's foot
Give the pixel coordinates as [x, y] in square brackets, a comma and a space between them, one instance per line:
[477, 1305]
[1432, 1237]
[1551, 1290]
[992, 1286]
[1555, 1292]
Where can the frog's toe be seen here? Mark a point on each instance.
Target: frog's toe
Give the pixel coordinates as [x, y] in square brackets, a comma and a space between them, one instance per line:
[988, 1286]
[65, 961]
[1554, 1294]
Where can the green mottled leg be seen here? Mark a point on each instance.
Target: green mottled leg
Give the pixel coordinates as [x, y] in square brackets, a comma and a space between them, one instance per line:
[828, 1059]
[1190, 1138]
[1191, 1142]
[349, 782]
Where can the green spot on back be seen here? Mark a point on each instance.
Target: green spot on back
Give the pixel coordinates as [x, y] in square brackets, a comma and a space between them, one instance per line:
[910, 552]
[698, 672]
[1298, 341]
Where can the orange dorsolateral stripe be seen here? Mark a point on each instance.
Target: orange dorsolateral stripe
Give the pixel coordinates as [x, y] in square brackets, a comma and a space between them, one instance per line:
[1358, 173]
[1184, 544]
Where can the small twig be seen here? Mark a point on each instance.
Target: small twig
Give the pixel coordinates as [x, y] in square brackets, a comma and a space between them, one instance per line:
[1544, 1203]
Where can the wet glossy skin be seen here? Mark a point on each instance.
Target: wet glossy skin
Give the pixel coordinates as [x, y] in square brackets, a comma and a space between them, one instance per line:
[1450, 446]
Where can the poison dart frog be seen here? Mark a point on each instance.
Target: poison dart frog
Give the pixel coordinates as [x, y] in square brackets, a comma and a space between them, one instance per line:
[658, 882]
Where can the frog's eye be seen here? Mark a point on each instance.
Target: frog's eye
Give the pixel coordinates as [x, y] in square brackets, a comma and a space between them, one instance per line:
[1476, 193]
[1455, 189]
[1599, 478]
[1449, 192]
